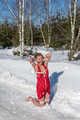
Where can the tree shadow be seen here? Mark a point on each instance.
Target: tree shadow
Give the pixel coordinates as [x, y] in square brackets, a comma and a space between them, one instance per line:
[54, 78]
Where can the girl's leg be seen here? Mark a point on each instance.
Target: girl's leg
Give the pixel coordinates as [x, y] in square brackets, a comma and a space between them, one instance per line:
[36, 102]
[47, 98]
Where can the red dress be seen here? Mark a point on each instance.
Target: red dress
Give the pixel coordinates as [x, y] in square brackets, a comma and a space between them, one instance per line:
[43, 83]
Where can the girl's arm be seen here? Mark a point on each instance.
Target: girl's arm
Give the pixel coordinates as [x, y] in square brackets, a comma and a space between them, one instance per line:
[33, 65]
[46, 61]
[47, 58]
[32, 62]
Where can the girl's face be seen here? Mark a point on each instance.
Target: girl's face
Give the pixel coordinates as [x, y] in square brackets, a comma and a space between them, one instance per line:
[39, 59]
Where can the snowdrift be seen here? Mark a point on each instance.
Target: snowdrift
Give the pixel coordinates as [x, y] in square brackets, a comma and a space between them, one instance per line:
[64, 78]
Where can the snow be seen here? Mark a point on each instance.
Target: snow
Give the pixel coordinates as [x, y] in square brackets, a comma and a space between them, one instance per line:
[18, 80]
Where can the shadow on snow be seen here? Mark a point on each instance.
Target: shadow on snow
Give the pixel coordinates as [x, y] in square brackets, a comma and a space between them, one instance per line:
[54, 78]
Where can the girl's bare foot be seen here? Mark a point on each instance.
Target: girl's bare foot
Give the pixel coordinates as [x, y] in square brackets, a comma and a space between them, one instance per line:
[39, 103]
[35, 101]
[29, 99]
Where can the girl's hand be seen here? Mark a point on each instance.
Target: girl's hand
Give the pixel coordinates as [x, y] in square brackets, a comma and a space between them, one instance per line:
[31, 59]
[47, 58]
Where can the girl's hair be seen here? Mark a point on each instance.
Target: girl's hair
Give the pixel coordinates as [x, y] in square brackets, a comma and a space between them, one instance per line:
[38, 54]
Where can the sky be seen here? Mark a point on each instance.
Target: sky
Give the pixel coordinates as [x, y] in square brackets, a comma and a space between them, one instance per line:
[5, 13]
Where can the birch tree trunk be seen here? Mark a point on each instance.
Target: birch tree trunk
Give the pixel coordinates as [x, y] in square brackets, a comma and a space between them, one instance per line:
[43, 35]
[47, 4]
[49, 30]
[76, 47]
[30, 21]
[73, 22]
[21, 25]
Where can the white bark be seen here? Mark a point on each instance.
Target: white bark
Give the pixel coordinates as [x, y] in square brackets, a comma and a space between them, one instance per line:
[47, 2]
[49, 36]
[43, 36]
[77, 40]
[30, 20]
[78, 35]
[21, 26]
[73, 22]
[20, 35]
[47, 16]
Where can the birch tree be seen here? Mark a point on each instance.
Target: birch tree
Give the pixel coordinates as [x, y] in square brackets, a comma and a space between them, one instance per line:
[18, 18]
[21, 25]
[47, 5]
[73, 10]
[30, 21]
[76, 46]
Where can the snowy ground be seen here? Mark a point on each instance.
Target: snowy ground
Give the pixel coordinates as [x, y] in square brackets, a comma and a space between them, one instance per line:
[17, 80]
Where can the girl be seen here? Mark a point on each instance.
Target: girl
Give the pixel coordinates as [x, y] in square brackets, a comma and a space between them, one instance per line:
[43, 83]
